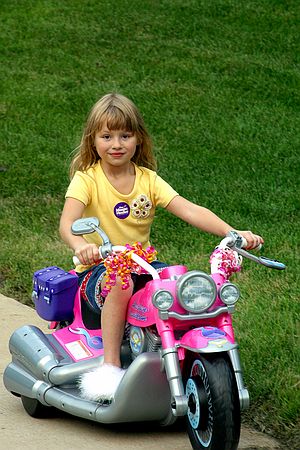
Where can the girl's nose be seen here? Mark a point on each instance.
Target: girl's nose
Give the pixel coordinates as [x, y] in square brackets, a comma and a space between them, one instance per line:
[116, 142]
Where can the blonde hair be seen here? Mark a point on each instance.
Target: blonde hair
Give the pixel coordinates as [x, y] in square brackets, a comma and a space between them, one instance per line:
[117, 112]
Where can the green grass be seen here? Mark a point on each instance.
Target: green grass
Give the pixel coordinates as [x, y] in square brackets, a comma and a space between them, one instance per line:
[218, 85]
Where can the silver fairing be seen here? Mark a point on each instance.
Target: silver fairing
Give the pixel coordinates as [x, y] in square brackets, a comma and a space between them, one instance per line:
[40, 369]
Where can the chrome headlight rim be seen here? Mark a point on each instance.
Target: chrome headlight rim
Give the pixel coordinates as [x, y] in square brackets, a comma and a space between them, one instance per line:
[185, 278]
[226, 286]
[155, 298]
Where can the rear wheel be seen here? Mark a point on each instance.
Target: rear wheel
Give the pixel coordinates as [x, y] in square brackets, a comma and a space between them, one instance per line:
[35, 408]
[213, 417]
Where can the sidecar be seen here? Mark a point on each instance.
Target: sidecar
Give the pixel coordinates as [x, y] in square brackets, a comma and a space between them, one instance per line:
[45, 369]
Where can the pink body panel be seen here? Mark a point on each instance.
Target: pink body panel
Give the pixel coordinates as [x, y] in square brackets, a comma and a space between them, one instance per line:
[172, 271]
[202, 337]
[219, 279]
[141, 312]
[76, 340]
[81, 343]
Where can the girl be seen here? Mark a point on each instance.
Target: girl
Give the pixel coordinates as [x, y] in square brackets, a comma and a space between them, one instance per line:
[114, 179]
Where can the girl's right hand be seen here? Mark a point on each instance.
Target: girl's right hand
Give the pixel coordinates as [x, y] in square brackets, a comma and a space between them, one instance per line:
[254, 241]
[87, 254]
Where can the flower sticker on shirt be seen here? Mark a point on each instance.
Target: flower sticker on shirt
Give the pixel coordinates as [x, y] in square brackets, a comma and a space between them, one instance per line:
[140, 207]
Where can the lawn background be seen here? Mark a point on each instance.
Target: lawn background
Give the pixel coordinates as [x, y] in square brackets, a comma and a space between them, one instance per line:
[217, 82]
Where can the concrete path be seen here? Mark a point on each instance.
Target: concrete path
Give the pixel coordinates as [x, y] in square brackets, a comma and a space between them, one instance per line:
[20, 431]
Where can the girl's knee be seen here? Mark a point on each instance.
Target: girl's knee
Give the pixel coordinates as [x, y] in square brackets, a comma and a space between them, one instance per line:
[119, 291]
[120, 285]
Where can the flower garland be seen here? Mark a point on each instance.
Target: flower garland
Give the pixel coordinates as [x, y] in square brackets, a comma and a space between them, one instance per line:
[226, 261]
[122, 265]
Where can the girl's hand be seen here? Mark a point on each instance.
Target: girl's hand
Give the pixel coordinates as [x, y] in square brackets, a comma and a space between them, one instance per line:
[87, 254]
[253, 240]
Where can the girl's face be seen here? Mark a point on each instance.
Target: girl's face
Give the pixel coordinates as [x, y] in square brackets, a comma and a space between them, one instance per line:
[115, 147]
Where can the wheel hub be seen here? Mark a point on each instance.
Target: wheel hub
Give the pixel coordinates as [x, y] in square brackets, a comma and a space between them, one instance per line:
[193, 403]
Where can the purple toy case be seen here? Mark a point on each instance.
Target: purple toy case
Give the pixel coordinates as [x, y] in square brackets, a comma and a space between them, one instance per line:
[53, 293]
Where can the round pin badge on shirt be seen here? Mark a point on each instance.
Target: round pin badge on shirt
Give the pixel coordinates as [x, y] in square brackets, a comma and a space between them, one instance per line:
[121, 210]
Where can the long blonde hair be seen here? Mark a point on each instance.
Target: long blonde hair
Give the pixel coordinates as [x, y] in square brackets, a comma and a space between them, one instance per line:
[118, 113]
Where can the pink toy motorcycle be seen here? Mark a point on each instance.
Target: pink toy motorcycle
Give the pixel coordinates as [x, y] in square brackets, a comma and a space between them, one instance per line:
[180, 353]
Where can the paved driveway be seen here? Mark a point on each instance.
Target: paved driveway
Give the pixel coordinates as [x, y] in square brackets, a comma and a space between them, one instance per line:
[20, 431]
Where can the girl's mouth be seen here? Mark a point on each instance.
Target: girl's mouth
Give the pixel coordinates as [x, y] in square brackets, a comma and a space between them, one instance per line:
[116, 154]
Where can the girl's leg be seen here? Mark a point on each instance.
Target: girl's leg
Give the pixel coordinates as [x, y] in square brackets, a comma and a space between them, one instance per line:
[113, 317]
[102, 383]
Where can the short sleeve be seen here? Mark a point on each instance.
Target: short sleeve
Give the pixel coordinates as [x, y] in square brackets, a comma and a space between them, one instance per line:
[80, 188]
[163, 192]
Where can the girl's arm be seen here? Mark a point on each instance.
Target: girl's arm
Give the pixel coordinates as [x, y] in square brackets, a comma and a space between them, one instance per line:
[86, 252]
[206, 220]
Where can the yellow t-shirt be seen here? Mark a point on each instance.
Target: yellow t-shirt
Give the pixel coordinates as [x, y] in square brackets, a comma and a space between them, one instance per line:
[125, 218]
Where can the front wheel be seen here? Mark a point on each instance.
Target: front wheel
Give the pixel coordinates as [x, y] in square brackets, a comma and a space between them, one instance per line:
[213, 417]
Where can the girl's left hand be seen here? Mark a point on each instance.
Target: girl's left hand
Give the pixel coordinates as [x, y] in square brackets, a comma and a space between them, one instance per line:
[253, 240]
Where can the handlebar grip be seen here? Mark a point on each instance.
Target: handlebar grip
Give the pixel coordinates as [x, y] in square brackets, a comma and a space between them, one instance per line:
[244, 245]
[76, 261]
[244, 242]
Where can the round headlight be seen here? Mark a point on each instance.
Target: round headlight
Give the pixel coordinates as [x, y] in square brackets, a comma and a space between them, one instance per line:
[196, 291]
[162, 300]
[229, 293]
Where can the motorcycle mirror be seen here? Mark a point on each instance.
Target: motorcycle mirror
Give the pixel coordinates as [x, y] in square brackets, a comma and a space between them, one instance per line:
[272, 263]
[84, 226]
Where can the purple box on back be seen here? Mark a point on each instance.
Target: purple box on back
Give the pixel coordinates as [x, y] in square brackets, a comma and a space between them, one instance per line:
[53, 293]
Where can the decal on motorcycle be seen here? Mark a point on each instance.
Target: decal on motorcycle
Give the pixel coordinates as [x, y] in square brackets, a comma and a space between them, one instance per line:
[121, 210]
[78, 350]
[212, 332]
[138, 316]
[141, 308]
[92, 341]
[137, 340]
[218, 343]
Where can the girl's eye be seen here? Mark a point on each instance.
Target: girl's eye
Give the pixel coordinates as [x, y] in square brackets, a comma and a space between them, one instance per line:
[126, 136]
[106, 137]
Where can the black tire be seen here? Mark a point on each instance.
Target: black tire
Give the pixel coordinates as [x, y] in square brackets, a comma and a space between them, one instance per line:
[213, 418]
[35, 408]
